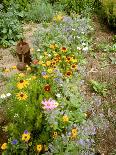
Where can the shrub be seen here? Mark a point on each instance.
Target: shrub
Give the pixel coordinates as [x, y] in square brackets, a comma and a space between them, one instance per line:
[40, 11]
[10, 28]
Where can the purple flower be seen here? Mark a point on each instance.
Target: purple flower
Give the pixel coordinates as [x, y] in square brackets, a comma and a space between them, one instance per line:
[14, 142]
[26, 132]
[43, 73]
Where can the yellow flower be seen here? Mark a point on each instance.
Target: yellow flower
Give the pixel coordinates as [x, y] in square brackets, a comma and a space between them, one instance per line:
[55, 134]
[45, 76]
[53, 46]
[74, 133]
[40, 62]
[22, 84]
[4, 146]
[39, 148]
[50, 70]
[58, 18]
[44, 65]
[21, 96]
[7, 70]
[26, 137]
[32, 50]
[28, 68]
[65, 118]
[14, 67]
[74, 60]
[21, 74]
[48, 63]
[73, 66]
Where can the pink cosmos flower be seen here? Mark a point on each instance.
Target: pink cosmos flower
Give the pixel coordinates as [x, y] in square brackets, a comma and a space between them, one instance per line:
[49, 104]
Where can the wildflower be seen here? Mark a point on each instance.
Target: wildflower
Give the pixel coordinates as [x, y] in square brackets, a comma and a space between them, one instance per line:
[8, 94]
[49, 104]
[63, 49]
[55, 134]
[73, 66]
[22, 84]
[48, 63]
[33, 77]
[68, 59]
[28, 68]
[21, 96]
[50, 70]
[26, 136]
[32, 50]
[21, 74]
[7, 70]
[39, 148]
[4, 146]
[74, 133]
[3, 96]
[74, 60]
[65, 118]
[35, 62]
[53, 46]
[14, 142]
[47, 88]
[14, 67]
[58, 95]
[68, 73]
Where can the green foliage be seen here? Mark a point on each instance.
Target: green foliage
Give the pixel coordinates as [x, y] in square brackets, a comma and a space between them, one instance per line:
[99, 87]
[10, 29]
[40, 11]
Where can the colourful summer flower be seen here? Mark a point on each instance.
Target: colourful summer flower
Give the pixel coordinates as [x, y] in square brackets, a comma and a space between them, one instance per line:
[28, 68]
[68, 73]
[21, 74]
[50, 70]
[47, 87]
[48, 63]
[74, 133]
[55, 134]
[7, 70]
[3, 96]
[21, 96]
[14, 67]
[53, 46]
[26, 136]
[65, 119]
[35, 61]
[68, 59]
[49, 104]
[4, 146]
[63, 49]
[14, 142]
[73, 66]
[8, 94]
[22, 84]
[39, 147]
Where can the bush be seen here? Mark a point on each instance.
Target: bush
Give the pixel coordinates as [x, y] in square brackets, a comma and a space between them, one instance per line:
[10, 29]
[40, 11]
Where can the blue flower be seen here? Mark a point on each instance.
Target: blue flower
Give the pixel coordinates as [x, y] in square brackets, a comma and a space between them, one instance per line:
[43, 73]
[14, 142]
[26, 132]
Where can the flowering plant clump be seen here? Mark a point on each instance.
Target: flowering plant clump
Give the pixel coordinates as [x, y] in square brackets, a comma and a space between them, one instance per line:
[44, 106]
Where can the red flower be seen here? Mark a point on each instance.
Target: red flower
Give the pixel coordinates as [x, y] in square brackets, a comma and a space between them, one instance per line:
[35, 61]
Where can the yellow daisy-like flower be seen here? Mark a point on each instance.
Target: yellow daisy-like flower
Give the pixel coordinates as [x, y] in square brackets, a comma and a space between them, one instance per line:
[74, 133]
[26, 137]
[21, 74]
[73, 66]
[74, 60]
[28, 68]
[4, 146]
[39, 147]
[53, 46]
[45, 76]
[40, 62]
[50, 70]
[48, 63]
[14, 67]
[21, 96]
[22, 84]
[65, 118]
[55, 134]
[7, 70]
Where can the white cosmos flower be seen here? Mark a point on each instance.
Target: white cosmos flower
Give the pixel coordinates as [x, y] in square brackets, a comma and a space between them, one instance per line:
[78, 48]
[3, 96]
[8, 94]
[58, 95]
[85, 49]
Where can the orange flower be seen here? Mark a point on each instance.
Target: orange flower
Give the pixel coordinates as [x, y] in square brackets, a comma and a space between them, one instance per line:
[68, 59]
[74, 133]
[55, 134]
[63, 49]
[47, 88]
[74, 66]
[68, 73]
